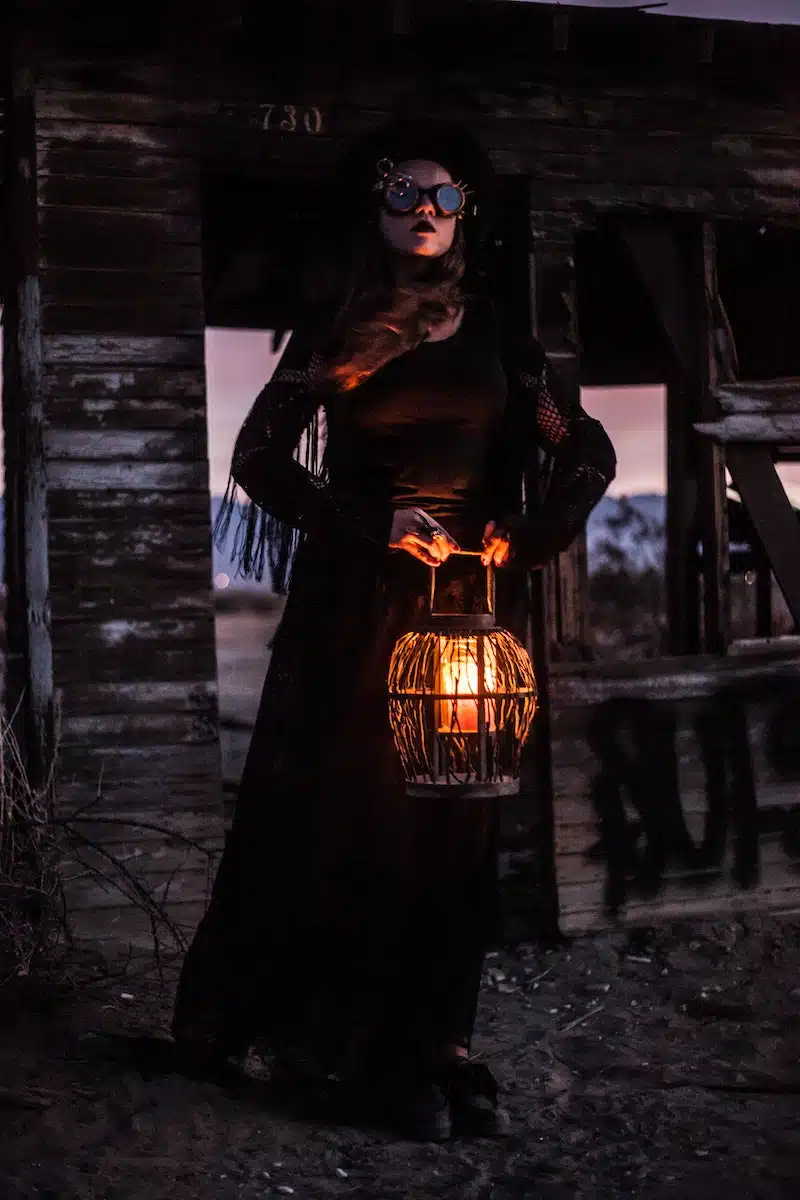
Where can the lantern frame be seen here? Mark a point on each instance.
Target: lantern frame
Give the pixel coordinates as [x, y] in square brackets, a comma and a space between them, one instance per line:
[501, 692]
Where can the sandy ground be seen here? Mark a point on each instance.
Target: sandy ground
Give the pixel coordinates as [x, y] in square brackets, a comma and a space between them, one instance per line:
[658, 1065]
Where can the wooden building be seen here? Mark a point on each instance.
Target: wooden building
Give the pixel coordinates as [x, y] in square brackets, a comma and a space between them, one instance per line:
[158, 163]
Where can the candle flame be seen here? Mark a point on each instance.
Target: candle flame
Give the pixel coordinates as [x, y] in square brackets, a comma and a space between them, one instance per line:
[458, 677]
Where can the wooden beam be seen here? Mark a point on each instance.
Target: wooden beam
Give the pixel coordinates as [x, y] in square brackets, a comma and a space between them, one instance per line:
[657, 255]
[678, 267]
[713, 510]
[763, 495]
[29, 682]
[771, 396]
[765, 411]
[775, 429]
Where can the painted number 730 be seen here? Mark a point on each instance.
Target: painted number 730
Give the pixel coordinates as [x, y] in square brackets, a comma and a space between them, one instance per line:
[291, 118]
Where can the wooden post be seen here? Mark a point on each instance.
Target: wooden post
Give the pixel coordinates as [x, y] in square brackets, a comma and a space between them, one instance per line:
[772, 515]
[517, 277]
[678, 268]
[29, 679]
[713, 507]
[555, 315]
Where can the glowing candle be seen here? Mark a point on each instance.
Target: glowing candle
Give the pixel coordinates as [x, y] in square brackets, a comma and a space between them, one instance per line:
[459, 678]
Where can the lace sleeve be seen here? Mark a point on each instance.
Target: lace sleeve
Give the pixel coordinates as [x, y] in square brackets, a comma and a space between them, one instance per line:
[277, 464]
[583, 459]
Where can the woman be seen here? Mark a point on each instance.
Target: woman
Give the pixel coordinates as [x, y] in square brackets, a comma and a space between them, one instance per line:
[349, 922]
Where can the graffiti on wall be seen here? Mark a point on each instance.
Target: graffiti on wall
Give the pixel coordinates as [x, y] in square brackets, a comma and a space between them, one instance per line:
[636, 743]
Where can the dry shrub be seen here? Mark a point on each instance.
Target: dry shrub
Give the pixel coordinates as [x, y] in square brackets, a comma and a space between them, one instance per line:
[36, 840]
[32, 910]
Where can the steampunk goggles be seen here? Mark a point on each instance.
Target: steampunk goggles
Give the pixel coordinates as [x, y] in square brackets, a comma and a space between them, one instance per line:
[400, 195]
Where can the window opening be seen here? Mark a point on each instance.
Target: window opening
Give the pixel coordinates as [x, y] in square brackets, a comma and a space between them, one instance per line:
[626, 531]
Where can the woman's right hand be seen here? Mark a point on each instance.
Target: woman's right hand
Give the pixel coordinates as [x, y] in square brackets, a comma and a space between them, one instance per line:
[419, 535]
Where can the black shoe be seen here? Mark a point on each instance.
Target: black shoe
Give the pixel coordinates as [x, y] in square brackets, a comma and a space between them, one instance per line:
[421, 1115]
[410, 1103]
[209, 1055]
[474, 1109]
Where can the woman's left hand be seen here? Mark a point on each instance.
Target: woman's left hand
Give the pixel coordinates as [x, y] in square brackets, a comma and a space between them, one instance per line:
[496, 546]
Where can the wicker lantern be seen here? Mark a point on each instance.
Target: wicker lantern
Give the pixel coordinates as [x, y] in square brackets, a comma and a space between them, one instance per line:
[462, 696]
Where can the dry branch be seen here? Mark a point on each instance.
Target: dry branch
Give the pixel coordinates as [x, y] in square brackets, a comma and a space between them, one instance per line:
[34, 845]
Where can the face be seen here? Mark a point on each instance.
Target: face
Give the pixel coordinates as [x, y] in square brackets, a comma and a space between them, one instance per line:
[405, 233]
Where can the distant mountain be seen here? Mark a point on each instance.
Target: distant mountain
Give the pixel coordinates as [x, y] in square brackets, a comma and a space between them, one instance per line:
[640, 539]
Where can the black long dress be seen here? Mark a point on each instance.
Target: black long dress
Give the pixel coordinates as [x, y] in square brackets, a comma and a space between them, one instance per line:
[345, 914]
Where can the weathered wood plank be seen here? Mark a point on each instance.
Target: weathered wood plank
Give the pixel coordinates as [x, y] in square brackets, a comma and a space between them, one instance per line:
[672, 678]
[115, 635]
[108, 504]
[84, 350]
[582, 911]
[770, 396]
[156, 729]
[116, 253]
[127, 926]
[114, 589]
[78, 225]
[150, 833]
[130, 136]
[145, 317]
[87, 892]
[775, 429]
[139, 537]
[112, 445]
[98, 699]
[763, 495]
[122, 383]
[132, 476]
[575, 869]
[142, 109]
[612, 196]
[120, 648]
[148, 794]
[131, 194]
[150, 864]
[76, 286]
[85, 413]
[89, 162]
[146, 777]
[63, 71]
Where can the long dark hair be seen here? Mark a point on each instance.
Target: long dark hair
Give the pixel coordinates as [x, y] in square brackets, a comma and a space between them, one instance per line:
[372, 316]
[379, 317]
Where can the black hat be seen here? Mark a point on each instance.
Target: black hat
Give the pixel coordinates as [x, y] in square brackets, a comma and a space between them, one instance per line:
[445, 142]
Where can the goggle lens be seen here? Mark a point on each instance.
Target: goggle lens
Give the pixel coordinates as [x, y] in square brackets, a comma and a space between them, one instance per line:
[403, 196]
[449, 199]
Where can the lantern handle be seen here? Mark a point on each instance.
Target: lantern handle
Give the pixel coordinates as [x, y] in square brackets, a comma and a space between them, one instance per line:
[490, 596]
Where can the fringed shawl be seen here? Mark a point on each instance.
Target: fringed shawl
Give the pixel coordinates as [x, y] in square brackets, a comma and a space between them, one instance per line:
[278, 462]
